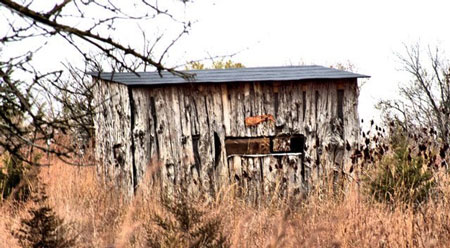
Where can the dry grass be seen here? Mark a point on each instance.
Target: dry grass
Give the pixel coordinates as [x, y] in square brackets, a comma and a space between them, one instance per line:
[103, 219]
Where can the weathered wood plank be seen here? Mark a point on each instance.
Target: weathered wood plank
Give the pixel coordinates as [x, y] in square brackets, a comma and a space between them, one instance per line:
[142, 131]
[220, 167]
[231, 89]
[205, 142]
[240, 111]
[247, 108]
[267, 177]
[268, 108]
[226, 109]
[351, 124]
[113, 132]
[165, 145]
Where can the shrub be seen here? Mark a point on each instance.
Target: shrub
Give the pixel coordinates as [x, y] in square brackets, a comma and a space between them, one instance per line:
[16, 178]
[184, 225]
[401, 177]
[11, 175]
[44, 228]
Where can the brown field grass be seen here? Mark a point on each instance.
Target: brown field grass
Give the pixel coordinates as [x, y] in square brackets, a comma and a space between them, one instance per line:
[101, 218]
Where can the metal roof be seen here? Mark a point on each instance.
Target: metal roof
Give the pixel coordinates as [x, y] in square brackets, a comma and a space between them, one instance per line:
[252, 74]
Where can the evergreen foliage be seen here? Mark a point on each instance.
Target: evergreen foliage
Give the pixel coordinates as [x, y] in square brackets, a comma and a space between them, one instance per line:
[44, 228]
[401, 177]
[184, 226]
[11, 176]
[17, 179]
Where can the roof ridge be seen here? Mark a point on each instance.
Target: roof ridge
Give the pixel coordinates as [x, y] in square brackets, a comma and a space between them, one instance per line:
[246, 74]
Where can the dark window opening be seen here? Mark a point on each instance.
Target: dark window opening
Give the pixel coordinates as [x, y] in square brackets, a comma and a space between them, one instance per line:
[265, 145]
[247, 145]
[297, 143]
[340, 104]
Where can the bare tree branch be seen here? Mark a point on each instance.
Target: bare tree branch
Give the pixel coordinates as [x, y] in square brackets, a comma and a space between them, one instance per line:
[38, 108]
[425, 101]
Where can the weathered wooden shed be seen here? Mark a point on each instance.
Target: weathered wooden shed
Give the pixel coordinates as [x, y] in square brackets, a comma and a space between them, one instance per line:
[260, 127]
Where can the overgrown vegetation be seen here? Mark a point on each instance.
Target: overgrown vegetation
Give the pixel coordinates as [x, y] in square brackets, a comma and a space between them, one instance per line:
[17, 178]
[184, 225]
[102, 219]
[402, 176]
[424, 101]
[43, 228]
[10, 175]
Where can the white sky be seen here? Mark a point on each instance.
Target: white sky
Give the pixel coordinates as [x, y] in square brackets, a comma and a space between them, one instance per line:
[323, 32]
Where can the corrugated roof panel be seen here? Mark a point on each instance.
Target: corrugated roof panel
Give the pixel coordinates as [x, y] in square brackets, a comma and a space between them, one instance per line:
[259, 74]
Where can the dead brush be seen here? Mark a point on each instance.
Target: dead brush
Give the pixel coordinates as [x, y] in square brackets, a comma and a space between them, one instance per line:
[399, 166]
[95, 208]
[43, 228]
[183, 223]
[323, 218]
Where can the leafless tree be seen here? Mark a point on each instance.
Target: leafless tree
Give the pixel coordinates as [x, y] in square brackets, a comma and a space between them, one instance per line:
[36, 106]
[425, 101]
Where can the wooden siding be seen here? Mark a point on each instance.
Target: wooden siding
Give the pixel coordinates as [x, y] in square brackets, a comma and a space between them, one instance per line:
[169, 120]
[113, 131]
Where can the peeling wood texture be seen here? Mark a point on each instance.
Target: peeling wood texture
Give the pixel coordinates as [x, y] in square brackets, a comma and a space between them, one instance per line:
[187, 129]
[113, 135]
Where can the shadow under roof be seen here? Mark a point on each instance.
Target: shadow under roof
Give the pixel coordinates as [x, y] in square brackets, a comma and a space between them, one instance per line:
[251, 74]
